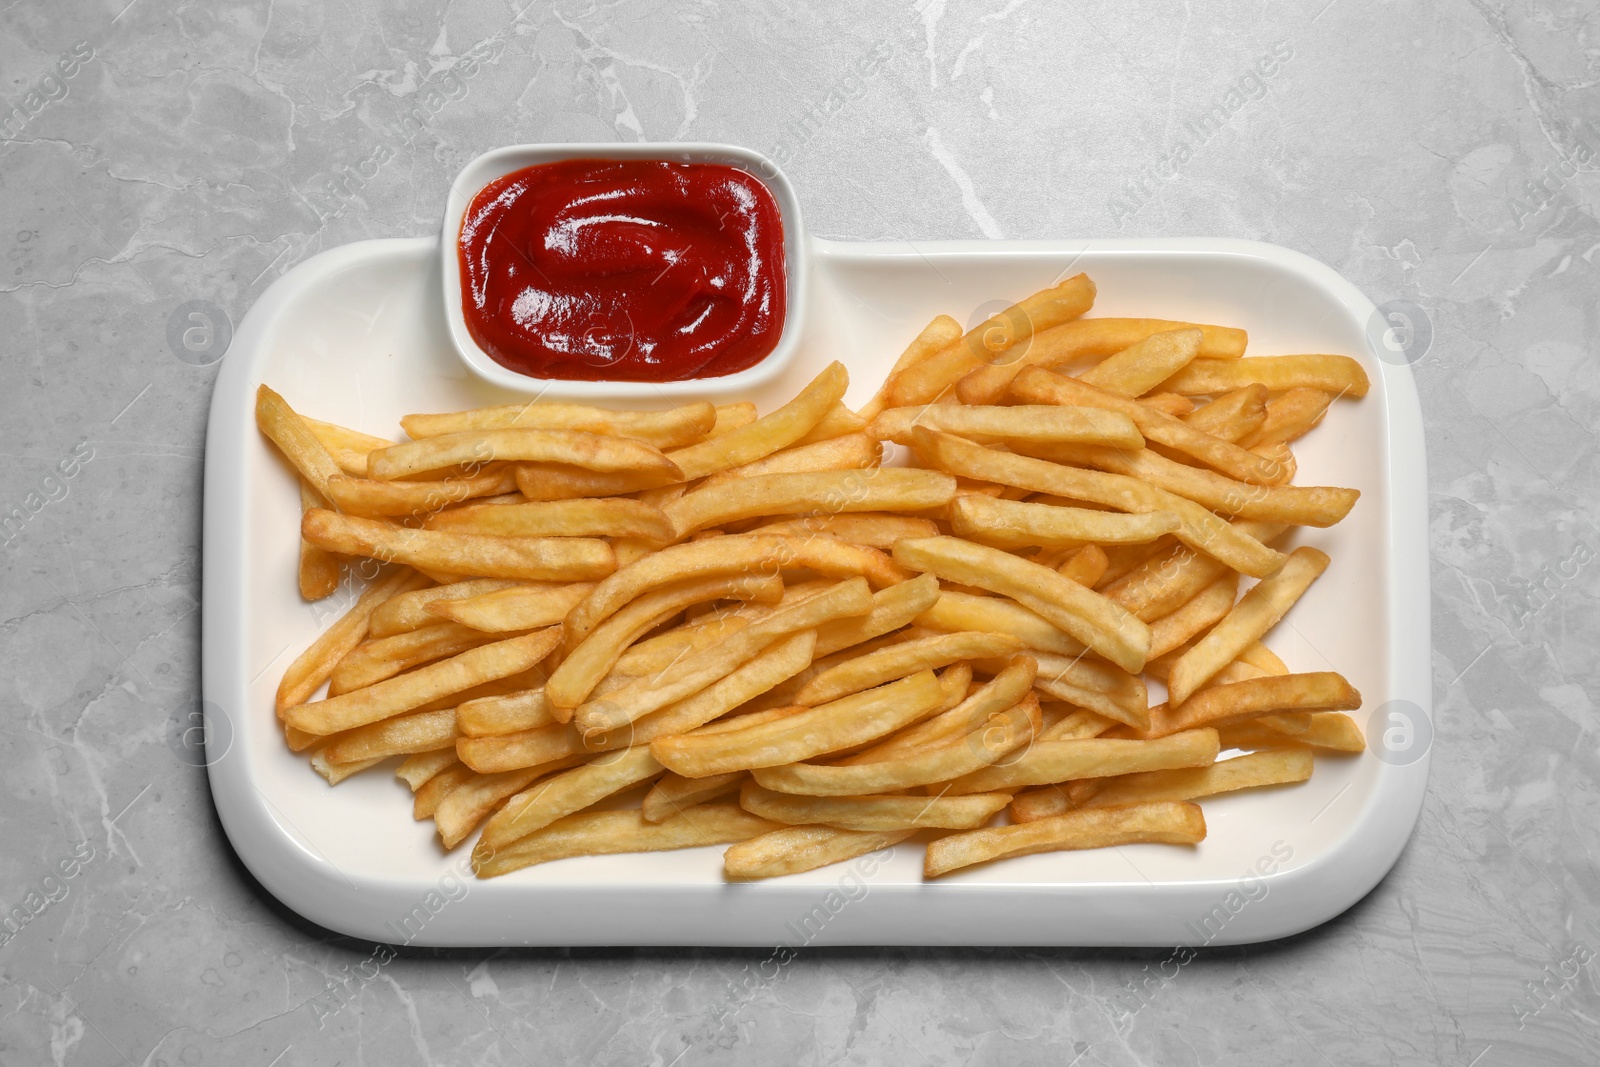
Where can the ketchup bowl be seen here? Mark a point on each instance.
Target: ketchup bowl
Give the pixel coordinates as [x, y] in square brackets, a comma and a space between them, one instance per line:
[618, 272]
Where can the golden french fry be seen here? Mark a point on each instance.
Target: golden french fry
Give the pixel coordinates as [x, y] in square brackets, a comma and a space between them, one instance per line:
[656, 654]
[1170, 404]
[873, 529]
[838, 422]
[1289, 416]
[843, 724]
[464, 807]
[410, 691]
[900, 660]
[872, 813]
[1294, 505]
[1252, 771]
[1339, 375]
[519, 607]
[1234, 415]
[1021, 524]
[1145, 364]
[566, 793]
[1209, 606]
[1221, 705]
[1241, 669]
[1076, 724]
[731, 417]
[824, 492]
[892, 608]
[315, 665]
[1087, 566]
[601, 833]
[975, 709]
[851, 451]
[373, 661]
[1201, 529]
[1031, 805]
[286, 429]
[319, 568]
[348, 447]
[694, 673]
[1099, 687]
[338, 772]
[371, 498]
[748, 553]
[538, 558]
[794, 849]
[1039, 386]
[1164, 822]
[1257, 612]
[540, 482]
[1328, 730]
[672, 428]
[418, 768]
[1046, 423]
[507, 713]
[939, 334]
[1007, 336]
[412, 611]
[781, 661]
[955, 611]
[992, 737]
[426, 797]
[423, 731]
[1262, 657]
[1047, 762]
[1089, 339]
[768, 434]
[673, 793]
[598, 653]
[525, 748]
[1120, 559]
[578, 517]
[1166, 581]
[575, 448]
[1087, 616]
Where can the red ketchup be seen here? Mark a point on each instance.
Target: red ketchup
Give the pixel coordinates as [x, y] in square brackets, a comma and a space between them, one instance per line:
[620, 270]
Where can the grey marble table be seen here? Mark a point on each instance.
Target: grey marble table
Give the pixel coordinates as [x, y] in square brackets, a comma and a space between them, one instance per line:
[159, 153]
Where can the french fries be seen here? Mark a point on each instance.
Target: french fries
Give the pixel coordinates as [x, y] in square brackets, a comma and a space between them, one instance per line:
[1088, 338]
[872, 813]
[599, 833]
[1339, 375]
[1018, 524]
[1100, 624]
[585, 666]
[1165, 822]
[1222, 705]
[1202, 530]
[543, 558]
[1046, 424]
[1041, 386]
[753, 633]
[590, 451]
[872, 489]
[832, 727]
[1256, 613]
[1004, 337]
[675, 427]
[794, 849]
[578, 517]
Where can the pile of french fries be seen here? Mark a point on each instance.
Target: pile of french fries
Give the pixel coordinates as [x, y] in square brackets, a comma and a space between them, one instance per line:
[601, 631]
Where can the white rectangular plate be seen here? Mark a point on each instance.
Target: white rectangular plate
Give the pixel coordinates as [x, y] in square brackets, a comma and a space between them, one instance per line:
[356, 336]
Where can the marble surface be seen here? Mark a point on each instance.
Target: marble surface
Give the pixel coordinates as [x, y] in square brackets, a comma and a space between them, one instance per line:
[160, 154]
